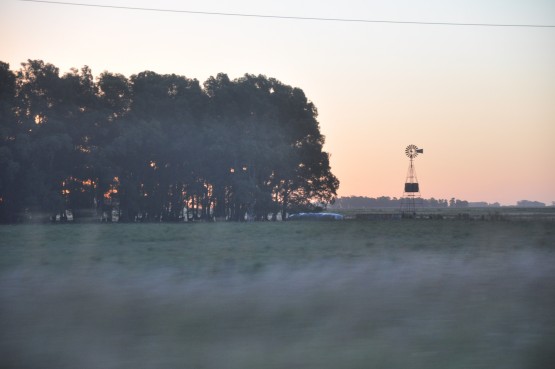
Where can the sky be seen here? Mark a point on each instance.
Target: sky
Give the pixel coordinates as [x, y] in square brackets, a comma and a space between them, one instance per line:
[480, 101]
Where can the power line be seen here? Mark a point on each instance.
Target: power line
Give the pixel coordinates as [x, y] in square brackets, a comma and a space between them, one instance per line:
[293, 17]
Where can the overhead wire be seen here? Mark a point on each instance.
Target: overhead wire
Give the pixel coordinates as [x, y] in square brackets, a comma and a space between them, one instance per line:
[288, 17]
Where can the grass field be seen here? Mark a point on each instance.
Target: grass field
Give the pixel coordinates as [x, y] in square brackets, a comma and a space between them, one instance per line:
[354, 294]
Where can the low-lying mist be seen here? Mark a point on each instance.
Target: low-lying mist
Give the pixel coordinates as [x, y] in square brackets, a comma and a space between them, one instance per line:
[403, 310]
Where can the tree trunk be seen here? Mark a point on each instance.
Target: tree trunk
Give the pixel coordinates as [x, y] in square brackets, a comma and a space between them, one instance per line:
[284, 209]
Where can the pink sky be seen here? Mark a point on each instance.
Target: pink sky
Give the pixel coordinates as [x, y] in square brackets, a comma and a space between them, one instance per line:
[479, 100]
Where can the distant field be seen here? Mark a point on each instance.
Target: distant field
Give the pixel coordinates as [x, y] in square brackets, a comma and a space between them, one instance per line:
[477, 213]
[354, 294]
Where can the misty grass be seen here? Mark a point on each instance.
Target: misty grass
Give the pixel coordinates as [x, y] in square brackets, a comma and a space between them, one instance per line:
[194, 246]
[399, 294]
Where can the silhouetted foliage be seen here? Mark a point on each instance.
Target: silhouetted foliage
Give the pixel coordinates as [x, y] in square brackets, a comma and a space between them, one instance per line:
[157, 147]
[361, 202]
[530, 204]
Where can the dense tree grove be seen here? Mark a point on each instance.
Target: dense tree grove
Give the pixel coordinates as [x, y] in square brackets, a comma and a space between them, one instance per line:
[156, 147]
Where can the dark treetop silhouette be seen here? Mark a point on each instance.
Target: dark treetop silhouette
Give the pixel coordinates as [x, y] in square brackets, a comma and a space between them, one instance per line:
[153, 145]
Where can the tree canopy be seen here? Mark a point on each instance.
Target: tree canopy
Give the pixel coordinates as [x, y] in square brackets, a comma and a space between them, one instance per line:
[156, 147]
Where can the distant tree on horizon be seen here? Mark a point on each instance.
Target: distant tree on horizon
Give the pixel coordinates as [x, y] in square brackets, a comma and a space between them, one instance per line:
[530, 204]
[361, 202]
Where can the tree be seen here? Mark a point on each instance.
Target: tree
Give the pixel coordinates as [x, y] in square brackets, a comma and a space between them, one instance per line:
[44, 145]
[274, 139]
[9, 163]
[157, 147]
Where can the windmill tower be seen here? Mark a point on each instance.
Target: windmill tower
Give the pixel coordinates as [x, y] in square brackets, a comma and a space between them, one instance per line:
[412, 189]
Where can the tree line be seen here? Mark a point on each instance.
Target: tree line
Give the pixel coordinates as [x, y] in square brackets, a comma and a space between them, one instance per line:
[157, 147]
[384, 202]
[361, 202]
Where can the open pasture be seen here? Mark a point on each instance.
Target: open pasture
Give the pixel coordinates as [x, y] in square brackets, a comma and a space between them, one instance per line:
[353, 294]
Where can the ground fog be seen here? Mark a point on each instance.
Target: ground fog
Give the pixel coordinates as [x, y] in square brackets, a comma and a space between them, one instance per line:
[161, 300]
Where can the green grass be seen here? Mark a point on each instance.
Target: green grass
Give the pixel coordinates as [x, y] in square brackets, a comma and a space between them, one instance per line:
[211, 246]
[390, 294]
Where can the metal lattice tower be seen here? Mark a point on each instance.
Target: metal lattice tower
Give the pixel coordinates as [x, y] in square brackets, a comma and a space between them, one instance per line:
[411, 194]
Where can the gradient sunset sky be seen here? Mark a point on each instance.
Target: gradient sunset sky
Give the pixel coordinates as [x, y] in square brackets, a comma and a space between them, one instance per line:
[479, 100]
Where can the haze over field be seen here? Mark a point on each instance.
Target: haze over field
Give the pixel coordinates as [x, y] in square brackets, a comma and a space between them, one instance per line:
[479, 100]
[397, 294]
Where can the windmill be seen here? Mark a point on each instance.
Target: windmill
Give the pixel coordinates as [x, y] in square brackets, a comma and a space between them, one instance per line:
[412, 189]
